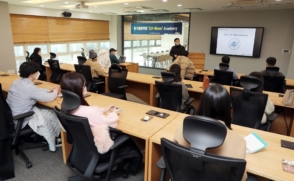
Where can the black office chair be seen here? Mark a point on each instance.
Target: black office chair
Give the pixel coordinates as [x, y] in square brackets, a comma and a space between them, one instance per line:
[56, 71]
[274, 82]
[222, 77]
[224, 66]
[194, 163]
[83, 53]
[93, 85]
[52, 55]
[81, 60]
[116, 82]
[28, 56]
[170, 95]
[84, 157]
[16, 137]
[249, 106]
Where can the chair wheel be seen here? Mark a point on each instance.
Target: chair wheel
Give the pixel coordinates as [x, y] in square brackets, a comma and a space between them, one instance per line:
[44, 148]
[29, 165]
[125, 176]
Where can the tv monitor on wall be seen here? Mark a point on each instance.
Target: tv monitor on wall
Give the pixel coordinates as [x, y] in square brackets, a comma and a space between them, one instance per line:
[245, 42]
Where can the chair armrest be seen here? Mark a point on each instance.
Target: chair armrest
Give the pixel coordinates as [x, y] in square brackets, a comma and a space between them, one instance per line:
[98, 83]
[119, 141]
[157, 96]
[272, 117]
[23, 115]
[189, 101]
[161, 164]
[123, 86]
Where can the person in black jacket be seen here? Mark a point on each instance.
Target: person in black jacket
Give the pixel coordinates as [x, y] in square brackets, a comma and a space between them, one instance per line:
[177, 49]
[36, 57]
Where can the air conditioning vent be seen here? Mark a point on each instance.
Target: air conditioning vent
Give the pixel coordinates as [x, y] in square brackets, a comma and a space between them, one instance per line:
[108, 13]
[160, 10]
[193, 9]
[254, 4]
[137, 9]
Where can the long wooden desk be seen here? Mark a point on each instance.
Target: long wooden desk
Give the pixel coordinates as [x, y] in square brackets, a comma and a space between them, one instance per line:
[289, 82]
[265, 163]
[129, 120]
[132, 67]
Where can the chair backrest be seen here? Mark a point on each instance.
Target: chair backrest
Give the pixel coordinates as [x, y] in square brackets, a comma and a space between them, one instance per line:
[168, 77]
[272, 70]
[223, 77]
[83, 149]
[248, 107]
[224, 66]
[83, 53]
[274, 83]
[249, 82]
[194, 164]
[52, 55]
[6, 120]
[122, 59]
[55, 68]
[170, 95]
[117, 77]
[85, 70]
[28, 56]
[81, 60]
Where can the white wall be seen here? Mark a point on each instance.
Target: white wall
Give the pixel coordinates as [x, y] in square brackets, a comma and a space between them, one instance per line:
[7, 61]
[278, 35]
[290, 74]
[116, 33]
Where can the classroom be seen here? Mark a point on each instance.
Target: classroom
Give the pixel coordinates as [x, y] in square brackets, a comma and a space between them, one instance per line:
[147, 90]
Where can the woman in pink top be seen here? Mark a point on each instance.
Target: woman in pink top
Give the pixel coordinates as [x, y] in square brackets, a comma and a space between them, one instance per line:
[128, 152]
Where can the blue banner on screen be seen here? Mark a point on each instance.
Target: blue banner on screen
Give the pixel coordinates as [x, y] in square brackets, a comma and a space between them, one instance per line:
[156, 28]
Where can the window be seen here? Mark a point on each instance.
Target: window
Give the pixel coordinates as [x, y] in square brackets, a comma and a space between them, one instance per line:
[158, 42]
[65, 59]
[128, 44]
[18, 51]
[18, 63]
[58, 48]
[76, 47]
[151, 42]
[128, 55]
[43, 48]
[144, 43]
[92, 46]
[137, 43]
[104, 45]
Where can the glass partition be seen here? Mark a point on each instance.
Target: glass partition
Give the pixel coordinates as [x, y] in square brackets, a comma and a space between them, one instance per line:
[148, 37]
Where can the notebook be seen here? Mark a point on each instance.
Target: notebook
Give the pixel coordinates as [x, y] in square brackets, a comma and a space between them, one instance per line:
[254, 143]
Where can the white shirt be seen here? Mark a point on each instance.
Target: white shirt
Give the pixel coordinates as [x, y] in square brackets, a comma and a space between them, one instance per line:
[104, 59]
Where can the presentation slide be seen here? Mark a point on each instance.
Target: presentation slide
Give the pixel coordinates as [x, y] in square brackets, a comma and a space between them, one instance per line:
[235, 41]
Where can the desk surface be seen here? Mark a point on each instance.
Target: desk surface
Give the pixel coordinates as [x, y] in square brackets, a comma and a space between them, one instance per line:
[265, 163]
[130, 118]
[289, 82]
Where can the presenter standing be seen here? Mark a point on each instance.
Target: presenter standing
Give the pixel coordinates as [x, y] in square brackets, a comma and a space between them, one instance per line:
[177, 49]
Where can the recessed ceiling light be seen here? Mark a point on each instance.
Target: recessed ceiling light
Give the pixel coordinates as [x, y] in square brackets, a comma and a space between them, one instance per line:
[278, 0]
[164, 0]
[95, 6]
[65, 2]
[179, 5]
[90, 11]
[42, 5]
[126, 3]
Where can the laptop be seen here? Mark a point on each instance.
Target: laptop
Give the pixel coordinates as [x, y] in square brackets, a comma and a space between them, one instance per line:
[122, 59]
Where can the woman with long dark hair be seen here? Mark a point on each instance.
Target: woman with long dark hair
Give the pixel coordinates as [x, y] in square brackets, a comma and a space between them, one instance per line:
[76, 83]
[269, 108]
[37, 58]
[176, 69]
[215, 103]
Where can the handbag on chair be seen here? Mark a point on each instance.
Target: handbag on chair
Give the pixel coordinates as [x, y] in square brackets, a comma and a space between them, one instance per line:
[288, 97]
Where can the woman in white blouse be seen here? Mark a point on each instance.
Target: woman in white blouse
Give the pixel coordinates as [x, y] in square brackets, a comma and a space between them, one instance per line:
[22, 97]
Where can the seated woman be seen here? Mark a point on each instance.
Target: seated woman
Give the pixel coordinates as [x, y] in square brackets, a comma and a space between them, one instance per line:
[269, 108]
[96, 69]
[22, 97]
[76, 82]
[187, 66]
[178, 80]
[215, 103]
